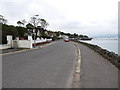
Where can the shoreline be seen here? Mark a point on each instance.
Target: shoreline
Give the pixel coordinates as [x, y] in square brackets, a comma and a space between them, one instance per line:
[109, 44]
[110, 56]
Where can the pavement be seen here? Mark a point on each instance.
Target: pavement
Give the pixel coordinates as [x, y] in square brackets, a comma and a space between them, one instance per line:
[3, 51]
[49, 67]
[96, 71]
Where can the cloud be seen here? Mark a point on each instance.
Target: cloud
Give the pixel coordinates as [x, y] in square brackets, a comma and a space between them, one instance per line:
[90, 17]
[71, 25]
[24, 10]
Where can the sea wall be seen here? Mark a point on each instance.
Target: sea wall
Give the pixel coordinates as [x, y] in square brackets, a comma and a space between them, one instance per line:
[110, 56]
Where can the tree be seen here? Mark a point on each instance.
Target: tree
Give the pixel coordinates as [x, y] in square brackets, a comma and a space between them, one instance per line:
[29, 26]
[3, 20]
[34, 20]
[81, 36]
[75, 35]
[8, 30]
[44, 35]
[20, 23]
[23, 21]
[68, 34]
[21, 31]
[58, 33]
[44, 23]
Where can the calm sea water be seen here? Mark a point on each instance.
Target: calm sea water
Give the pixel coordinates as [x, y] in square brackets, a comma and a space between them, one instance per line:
[109, 44]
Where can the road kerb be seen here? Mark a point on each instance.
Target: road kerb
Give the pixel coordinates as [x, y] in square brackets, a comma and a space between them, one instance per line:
[26, 49]
[77, 71]
[76, 78]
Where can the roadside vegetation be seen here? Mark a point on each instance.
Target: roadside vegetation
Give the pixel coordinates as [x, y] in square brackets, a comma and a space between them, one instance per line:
[36, 27]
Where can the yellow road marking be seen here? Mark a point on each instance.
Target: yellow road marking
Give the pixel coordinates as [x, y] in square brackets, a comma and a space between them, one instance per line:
[76, 78]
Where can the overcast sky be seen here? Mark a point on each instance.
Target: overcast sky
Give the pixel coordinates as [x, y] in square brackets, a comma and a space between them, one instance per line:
[89, 17]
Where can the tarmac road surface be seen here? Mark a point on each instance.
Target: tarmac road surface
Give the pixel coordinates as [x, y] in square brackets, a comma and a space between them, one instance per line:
[96, 72]
[53, 67]
[48, 67]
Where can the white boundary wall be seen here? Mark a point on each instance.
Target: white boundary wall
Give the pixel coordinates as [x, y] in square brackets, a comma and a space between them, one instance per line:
[9, 39]
[21, 44]
[5, 46]
[27, 43]
[41, 41]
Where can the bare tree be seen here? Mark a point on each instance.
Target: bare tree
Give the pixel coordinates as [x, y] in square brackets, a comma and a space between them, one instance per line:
[34, 20]
[44, 23]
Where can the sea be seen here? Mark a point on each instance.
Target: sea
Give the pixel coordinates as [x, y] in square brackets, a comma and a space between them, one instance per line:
[111, 44]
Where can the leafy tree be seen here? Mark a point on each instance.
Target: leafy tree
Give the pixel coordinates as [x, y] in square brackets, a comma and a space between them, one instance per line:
[3, 20]
[57, 33]
[8, 30]
[68, 34]
[81, 36]
[21, 31]
[75, 35]
[20, 23]
[29, 26]
[62, 33]
[86, 36]
[44, 35]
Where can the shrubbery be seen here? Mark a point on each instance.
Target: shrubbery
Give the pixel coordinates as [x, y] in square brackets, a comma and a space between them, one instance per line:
[15, 31]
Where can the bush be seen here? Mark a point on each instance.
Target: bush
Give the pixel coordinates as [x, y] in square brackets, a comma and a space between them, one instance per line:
[21, 31]
[8, 30]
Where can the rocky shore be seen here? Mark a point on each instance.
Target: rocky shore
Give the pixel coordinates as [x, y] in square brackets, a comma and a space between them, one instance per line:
[110, 56]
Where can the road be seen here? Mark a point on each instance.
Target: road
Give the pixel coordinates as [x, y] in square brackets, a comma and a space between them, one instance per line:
[47, 67]
[96, 72]
[53, 67]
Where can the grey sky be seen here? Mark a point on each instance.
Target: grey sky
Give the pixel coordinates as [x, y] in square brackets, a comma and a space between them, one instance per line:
[89, 17]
